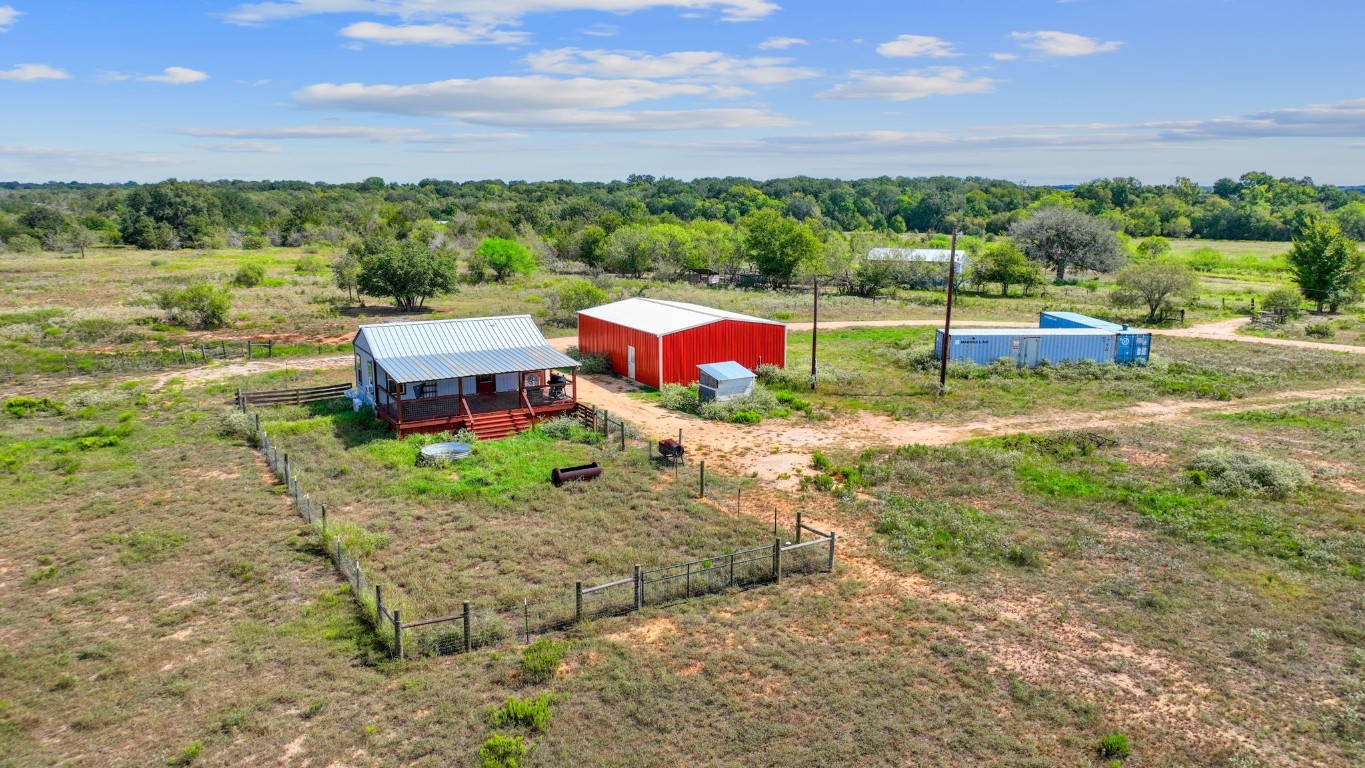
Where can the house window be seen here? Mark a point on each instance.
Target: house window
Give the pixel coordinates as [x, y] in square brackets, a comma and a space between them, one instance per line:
[424, 389]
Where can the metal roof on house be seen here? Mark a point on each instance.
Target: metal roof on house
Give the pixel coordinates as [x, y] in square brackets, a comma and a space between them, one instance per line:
[932, 255]
[426, 350]
[726, 371]
[661, 317]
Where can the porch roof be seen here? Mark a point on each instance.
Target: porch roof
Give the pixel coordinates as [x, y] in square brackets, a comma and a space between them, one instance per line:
[455, 365]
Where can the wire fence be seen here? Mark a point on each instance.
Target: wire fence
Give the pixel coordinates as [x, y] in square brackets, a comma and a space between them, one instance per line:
[481, 626]
[185, 355]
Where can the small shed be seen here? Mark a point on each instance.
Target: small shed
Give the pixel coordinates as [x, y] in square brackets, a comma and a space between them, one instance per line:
[1134, 346]
[724, 381]
[1027, 347]
[657, 342]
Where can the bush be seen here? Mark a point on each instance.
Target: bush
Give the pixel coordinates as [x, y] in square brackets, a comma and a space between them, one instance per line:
[1115, 747]
[540, 659]
[1286, 300]
[1231, 473]
[249, 276]
[236, 423]
[308, 264]
[199, 304]
[254, 241]
[742, 410]
[21, 406]
[745, 417]
[570, 429]
[676, 397]
[502, 751]
[591, 363]
[1320, 330]
[527, 713]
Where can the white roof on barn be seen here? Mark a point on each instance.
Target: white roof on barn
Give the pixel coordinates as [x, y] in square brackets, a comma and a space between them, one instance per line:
[661, 317]
[429, 350]
[931, 255]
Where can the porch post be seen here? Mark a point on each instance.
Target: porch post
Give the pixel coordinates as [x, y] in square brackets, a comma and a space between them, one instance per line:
[575, 385]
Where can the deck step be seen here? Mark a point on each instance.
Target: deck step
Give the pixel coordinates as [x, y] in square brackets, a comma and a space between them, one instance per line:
[497, 425]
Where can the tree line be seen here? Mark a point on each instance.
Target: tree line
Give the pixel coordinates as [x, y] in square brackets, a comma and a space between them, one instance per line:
[189, 214]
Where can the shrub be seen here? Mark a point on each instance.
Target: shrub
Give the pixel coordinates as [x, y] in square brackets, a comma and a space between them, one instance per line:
[592, 363]
[236, 423]
[21, 406]
[528, 713]
[249, 276]
[309, 264]
[1230, 473]
[676, 397]
[540, 659]
[741, 410]
[1115, 746]
[1287, 300]
[745, 417]
[570, 429]
[502, 751]
[200, 304]
[1320, 330]
[254, 241]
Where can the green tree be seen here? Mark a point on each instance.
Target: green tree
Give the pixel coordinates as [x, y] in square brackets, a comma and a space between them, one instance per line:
[1002, 262]
[409, 272]
[201, 305]
[574, 297]
[1326, 264]
[1154, 247]
[506, 257]
[1065, 238]
[777, 245]
[1154, 283]
[346, 272]
[1286, 300]
[627, 251]
[170, 214]
[1352, 219]
[81, 238]
[588, 246]
[42, 221]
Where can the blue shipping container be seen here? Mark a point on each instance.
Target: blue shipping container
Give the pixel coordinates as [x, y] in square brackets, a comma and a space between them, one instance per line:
[1133, 346]
[1028, 346]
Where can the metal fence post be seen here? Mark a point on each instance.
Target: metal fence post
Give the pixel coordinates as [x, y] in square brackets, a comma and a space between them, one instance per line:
[831, 551]
[526, 619]
[732, 570]
[324, 519]
[623, 435]
[777, 560]
[398, 632]
[378, 603]
[798, 526]
[639, 587]
[286, 471]
[468, 640]
[702, 475]
[578, 601]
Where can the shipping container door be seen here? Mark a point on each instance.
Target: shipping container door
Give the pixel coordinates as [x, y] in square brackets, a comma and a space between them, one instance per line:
[1028, 355]
[630, 362]
[1125, 350]
[1142, 347]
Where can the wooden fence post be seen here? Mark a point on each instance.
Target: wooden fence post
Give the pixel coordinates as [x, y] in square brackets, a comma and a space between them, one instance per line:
[831, 551]
[286, 472]
[398, 632]
[623, 435]
[468, 640]
[798, 526]
[324, 522]
[378, 603]
[639, 587]
[526, 619]
[577, 601]
[702, 475]
[777, 560]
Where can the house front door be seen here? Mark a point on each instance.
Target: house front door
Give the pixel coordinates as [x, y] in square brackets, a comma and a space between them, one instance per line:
[486, 384]
[630, 363]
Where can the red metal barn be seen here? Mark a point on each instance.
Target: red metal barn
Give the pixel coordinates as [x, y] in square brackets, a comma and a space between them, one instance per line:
[657, 342]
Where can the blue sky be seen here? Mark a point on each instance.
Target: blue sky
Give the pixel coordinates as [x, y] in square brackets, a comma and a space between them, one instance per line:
[338, 90]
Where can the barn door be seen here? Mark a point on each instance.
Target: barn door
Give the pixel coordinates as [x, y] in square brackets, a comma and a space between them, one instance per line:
[630, 363]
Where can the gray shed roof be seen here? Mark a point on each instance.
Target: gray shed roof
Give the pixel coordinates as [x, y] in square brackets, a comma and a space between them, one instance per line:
[425, 350]
[726, 371]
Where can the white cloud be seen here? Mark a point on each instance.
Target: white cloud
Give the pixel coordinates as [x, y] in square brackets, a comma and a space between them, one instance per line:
[915, 84]
[376, 134]
[1064, 43]
[27, 72]
[238, 147]
[601, 30]
[454, 98]
[780, 43]
[629, 120]
[259, 13]
[1005, 56]
[698, 66]
[8, 15]
[472, 33]
[917, 46]
[83, 158]
[176, 76]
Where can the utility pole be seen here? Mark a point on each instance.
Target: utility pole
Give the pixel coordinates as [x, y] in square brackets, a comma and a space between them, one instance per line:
[814, 335]
[948, 319]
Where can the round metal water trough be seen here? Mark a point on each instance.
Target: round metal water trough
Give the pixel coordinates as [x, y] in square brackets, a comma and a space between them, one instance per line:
[562, 475]
[441, 453]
